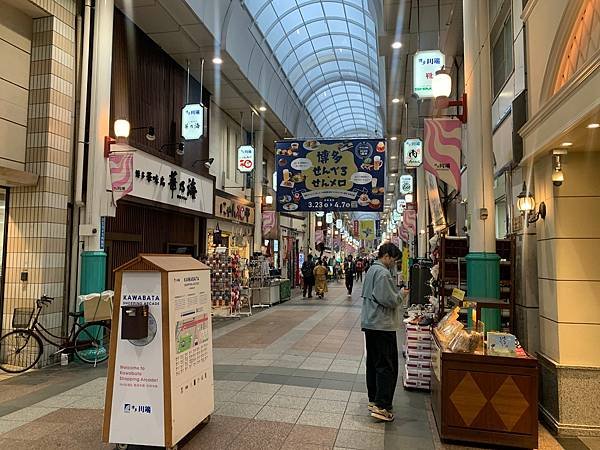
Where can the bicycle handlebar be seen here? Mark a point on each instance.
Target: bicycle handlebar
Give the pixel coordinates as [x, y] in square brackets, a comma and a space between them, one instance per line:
[44, 300]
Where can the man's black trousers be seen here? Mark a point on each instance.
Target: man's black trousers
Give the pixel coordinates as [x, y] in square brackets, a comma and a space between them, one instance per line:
[382, 367]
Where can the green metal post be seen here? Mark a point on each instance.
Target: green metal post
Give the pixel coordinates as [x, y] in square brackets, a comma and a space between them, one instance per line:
[483, 281]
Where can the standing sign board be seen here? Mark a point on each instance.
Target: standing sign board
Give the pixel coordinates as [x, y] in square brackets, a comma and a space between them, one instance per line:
[341, 175]
[246, 158]
[160, 376]
[413, 153]
[192, 121]
[425, 64]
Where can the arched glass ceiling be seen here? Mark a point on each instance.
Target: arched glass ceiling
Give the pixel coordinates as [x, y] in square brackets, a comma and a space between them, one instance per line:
[328, 51]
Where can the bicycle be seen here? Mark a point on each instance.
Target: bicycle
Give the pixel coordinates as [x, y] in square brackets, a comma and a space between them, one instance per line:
[22, 348]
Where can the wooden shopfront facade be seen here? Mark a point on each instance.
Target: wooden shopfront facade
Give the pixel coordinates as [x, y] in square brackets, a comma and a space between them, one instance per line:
[149, 89]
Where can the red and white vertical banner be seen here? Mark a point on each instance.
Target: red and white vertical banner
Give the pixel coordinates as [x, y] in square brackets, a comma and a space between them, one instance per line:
[121, 174]
[443, 143]
[319, 236]
[403, 233]
[269, 225]
[410, 220]
[355, 229]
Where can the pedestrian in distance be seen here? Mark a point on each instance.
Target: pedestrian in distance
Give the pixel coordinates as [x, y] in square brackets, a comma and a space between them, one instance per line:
[320, 273]
[360, 265]
[349, 270]
[308, 277]
[380, 319]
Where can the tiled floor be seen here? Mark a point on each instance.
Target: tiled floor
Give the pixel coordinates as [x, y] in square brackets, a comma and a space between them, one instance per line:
[291, 377]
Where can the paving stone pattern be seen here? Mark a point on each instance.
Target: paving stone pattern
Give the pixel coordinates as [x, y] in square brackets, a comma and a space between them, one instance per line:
[289, 377]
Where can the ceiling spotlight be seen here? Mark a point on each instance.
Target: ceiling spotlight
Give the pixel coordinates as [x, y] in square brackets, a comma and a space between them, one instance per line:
[393, 157]
[593, 125]
[217, 60]
[393, 138]
[566, 144]
[262, 108]
[396, 45]
[395, 100]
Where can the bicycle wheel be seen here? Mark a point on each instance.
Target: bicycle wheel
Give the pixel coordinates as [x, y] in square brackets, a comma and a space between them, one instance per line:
[92, 343]
[20, 350]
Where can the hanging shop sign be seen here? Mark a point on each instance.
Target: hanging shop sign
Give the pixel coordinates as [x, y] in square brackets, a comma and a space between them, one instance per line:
[378, 228]
[406, 184]
[442, 151]
[341, 175]
[269, 225]
[338, 224]
[275, 181]
[413, 153]
[192, 121]
[355, 228]
[435, 205]
[159, 181]
[366, 230]
[400, 205]
[425, 64]
[245, 158]
[319, 213]
[233, 210]
[329, 218]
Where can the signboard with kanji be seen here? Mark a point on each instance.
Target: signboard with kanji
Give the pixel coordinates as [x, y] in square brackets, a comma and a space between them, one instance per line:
[413, 153]
[192, 121]
[425, 64]
[330, 175]
[246, 158]
[406, 184]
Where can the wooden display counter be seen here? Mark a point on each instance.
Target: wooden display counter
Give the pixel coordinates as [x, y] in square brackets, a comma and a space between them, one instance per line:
[485, 399]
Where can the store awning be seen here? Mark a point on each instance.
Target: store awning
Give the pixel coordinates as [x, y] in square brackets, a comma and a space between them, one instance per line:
[14, 178]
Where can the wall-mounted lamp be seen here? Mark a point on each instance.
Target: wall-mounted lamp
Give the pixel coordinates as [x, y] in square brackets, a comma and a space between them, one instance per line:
[122, 128]
[526, 204]
[408, 198]
[268, 200]
[179, 147]
[319, 223]
[207, 162]
[557, 174]
[441, 86]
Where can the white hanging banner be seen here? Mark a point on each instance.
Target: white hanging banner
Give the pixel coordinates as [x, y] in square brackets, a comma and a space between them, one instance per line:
[192, 121]
[413, 153]
[425, 64]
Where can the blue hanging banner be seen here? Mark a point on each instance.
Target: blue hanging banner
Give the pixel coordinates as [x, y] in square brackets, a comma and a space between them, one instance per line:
[330, 175]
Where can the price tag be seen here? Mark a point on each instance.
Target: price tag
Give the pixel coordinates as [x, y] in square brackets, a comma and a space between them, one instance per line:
[458, 294]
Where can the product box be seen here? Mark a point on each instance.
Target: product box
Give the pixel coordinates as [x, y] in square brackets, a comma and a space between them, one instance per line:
[418, 363]
[424, 355]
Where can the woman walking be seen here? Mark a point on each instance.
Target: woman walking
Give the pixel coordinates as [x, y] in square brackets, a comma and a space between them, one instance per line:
[321, 272]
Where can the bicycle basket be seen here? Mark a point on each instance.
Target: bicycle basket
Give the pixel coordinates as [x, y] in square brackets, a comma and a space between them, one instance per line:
[22, 317]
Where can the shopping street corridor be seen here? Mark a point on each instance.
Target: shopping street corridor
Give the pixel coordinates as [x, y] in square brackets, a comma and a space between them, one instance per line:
[289, 377]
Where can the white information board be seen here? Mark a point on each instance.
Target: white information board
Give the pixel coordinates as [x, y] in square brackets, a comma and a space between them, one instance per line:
[137, 413]
[192, 394]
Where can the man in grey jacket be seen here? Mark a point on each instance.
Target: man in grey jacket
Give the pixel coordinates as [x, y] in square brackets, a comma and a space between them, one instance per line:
[380, 318]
